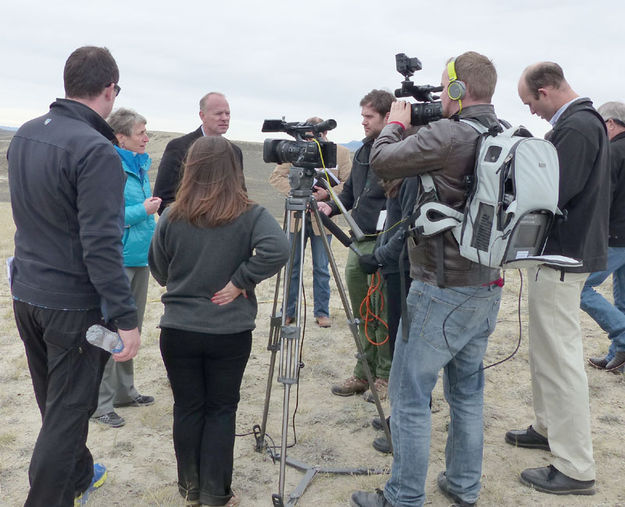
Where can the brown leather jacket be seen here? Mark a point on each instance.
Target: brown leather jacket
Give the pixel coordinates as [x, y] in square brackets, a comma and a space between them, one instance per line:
[445, 149]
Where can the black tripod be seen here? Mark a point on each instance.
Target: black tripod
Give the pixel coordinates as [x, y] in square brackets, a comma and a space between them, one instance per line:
[287, 339]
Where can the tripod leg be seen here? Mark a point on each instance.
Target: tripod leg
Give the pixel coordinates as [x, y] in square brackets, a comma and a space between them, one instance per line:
[275, 326]
[353, 324]
[290, 344]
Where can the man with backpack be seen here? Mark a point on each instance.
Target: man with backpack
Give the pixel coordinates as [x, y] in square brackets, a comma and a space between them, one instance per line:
[452, 303]
[559, 383]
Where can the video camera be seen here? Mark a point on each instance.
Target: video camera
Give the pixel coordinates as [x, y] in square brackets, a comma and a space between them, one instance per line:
[429, 110]
[309, 150]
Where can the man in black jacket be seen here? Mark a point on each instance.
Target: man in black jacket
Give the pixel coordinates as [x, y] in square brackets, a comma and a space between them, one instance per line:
[67, 184]
[215, 116]
[364, 196]
[611, 317]
[559, 383]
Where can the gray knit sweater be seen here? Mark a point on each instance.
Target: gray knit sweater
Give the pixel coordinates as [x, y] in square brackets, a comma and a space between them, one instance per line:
[194, 263]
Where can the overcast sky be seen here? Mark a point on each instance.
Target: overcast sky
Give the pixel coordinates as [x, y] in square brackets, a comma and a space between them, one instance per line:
[299, 59]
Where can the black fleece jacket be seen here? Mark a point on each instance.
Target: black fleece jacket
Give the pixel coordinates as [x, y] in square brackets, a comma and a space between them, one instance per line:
[617, 208]
[362, 192]
[582, 143]
[170, 168]
[67, 194]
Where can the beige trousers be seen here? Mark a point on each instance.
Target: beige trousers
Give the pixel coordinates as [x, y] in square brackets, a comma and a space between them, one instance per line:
[559, 383]
[118, 380]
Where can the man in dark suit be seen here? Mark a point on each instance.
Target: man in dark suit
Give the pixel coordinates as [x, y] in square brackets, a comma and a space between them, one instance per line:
[215, 116]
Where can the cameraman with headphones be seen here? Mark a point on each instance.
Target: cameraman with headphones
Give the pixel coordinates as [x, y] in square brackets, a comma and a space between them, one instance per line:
[452, 303]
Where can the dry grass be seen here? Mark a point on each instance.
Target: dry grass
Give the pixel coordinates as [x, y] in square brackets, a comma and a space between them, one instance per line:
[331, 431]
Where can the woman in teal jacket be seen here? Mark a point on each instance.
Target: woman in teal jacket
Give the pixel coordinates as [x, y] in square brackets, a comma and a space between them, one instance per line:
[117, 388]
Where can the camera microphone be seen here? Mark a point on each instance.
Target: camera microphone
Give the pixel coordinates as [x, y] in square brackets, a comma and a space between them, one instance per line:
[338, 233]
[324, 125]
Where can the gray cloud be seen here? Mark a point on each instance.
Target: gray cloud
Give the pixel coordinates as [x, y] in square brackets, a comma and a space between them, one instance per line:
[297, 59]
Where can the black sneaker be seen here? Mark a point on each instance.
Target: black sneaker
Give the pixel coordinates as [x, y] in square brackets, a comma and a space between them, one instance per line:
[381, 444]
[598, 362]
[111, 419]
[139, 401]
[376, 423]
[366, 499]
[443, 485]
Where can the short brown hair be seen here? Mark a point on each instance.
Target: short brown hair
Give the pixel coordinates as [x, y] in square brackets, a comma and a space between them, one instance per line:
[542, 75]
[379, 100]
[211, 189]
[89, 70]
[478, 73]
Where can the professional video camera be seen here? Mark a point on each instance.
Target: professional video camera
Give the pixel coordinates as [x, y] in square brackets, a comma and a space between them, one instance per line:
[429, 110]
[309, 150]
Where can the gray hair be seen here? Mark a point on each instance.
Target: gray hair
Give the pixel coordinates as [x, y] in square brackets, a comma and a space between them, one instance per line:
[205, 98]
[122, 121]
[613, 111]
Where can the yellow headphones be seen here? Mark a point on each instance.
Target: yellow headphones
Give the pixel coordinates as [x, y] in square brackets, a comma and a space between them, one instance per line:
[456, 89]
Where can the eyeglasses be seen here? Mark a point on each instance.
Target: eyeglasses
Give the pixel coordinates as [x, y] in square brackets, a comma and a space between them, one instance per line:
[116, 87]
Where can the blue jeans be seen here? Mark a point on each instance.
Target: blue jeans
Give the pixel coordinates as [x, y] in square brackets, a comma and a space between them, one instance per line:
[449, 330]
[321, 274]
[611, 317]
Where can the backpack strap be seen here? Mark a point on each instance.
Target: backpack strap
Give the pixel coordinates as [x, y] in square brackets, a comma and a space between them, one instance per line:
[487, 127]
[434, 217]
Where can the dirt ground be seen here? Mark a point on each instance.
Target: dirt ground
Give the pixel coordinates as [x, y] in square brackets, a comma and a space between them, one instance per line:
[331, 431]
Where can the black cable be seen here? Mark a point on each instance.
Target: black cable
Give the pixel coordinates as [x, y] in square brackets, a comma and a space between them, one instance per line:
[518, 345]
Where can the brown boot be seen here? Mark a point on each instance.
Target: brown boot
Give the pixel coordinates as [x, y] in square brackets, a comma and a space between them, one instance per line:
[353, 385]
[381, 386]
[323, 321]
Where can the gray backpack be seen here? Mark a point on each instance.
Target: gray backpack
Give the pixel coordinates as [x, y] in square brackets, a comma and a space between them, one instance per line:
[512, 203]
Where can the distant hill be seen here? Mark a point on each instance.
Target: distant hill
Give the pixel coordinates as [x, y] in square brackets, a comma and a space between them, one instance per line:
[6, 132]
[256, 171]
[352, 145]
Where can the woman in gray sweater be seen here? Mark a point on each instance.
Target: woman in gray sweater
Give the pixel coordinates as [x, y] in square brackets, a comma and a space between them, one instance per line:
[210, 249]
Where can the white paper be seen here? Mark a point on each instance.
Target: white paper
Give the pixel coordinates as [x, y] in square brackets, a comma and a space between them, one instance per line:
[381, 221]
[551, 260]
[9, 263]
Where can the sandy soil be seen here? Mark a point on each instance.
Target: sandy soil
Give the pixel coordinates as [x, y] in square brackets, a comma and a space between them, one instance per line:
[331, 431]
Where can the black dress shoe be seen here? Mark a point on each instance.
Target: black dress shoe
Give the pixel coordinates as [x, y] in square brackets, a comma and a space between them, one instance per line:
[617, 361]
[381, 444]
[551, 480]
[598, 362]
[443, 485]
[529, 438]
[366, 499]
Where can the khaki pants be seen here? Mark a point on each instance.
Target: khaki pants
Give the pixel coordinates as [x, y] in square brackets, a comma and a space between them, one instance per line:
[559, 383]
[118, 381]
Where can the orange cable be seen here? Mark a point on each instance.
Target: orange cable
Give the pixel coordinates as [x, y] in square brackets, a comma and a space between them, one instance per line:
[369, 314]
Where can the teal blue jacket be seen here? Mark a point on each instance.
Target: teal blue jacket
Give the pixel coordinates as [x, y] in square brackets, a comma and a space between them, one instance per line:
[138, 225]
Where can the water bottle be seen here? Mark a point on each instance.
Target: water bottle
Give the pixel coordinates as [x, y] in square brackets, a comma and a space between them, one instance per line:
[105, 339]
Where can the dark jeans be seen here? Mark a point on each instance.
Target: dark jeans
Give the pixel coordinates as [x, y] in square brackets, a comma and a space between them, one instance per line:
[66, 372]
[393, 299]
[205, 372]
